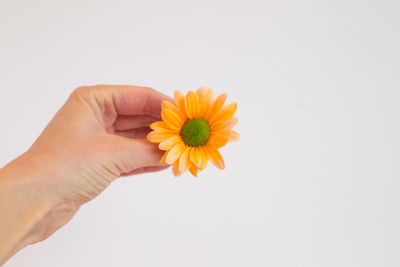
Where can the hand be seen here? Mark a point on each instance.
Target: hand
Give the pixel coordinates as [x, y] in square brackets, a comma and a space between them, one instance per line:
[97, 136]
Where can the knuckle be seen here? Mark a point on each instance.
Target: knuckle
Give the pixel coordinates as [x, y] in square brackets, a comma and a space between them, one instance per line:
[87, 91]
[99, 86]
[80, 91]
[146, 88]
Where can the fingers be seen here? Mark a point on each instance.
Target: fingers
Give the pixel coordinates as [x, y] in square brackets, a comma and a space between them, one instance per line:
[125, 112]
[123, 122]
[146, 170]
[145, 153]
[130, 154]
[139, 133]
[129, 100]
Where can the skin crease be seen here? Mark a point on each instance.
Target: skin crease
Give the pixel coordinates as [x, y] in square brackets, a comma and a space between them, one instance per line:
[97, 136]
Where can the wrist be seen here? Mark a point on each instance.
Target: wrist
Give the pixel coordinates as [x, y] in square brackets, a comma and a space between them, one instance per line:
[23, 206]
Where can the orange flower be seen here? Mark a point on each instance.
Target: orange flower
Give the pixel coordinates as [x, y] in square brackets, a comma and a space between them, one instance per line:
[193, 129]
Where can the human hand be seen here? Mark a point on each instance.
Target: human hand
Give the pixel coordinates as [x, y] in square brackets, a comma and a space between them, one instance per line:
[97, 136]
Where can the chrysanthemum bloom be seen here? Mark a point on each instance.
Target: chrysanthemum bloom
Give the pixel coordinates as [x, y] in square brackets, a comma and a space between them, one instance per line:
[192, 131]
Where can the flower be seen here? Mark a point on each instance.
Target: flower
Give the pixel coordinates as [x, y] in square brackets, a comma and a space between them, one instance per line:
[193, 129]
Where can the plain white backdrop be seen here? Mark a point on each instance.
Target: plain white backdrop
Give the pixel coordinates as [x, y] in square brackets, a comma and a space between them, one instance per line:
[314, 180]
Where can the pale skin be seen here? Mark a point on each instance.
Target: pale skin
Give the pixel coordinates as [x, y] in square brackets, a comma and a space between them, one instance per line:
[97, 136]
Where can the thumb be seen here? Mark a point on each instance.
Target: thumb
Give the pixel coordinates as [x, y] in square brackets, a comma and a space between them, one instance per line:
[132, 154]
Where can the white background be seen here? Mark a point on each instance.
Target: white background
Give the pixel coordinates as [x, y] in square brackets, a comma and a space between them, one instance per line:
[314, 180]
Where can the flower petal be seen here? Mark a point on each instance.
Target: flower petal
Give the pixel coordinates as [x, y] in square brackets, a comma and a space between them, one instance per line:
[200, 91]
[171, 119]
[175, 153]
[158, 137]
[194, 170]
[203, 93]
[159, 126]
[216, 105]
[162, 161]
[180, 101]
[231, 135]
[175, 169]
[196, 156]
[222, 126]
[170, 142]
[216, 157]
[168, 105]
[225, 113]
[217, 141]
[192, 105]
[184, 161]
[205, 159]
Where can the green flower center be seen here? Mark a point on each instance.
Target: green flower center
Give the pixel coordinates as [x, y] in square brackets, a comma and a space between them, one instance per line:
[195, 132]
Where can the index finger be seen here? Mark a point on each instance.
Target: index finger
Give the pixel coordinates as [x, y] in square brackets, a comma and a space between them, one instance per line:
[134, 100]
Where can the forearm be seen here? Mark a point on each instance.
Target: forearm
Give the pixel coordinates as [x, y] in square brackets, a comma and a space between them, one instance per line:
[22, 207]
